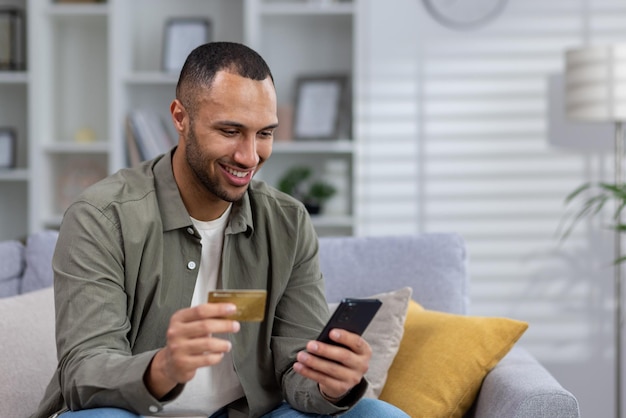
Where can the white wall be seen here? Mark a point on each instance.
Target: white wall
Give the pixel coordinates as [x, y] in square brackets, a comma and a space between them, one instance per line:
[456, 137]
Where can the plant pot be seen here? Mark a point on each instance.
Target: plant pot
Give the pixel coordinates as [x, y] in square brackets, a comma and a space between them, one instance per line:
[313, 208]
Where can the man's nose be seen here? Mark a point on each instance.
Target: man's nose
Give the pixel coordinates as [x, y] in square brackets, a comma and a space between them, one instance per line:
[246, 152]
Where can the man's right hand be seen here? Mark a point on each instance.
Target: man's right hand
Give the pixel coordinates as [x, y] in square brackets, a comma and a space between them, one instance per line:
[190, 345]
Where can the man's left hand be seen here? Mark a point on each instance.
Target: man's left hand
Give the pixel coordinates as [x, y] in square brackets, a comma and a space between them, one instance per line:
[336, 369]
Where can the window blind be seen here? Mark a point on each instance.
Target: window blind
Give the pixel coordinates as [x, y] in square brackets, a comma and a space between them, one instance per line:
[453, 129]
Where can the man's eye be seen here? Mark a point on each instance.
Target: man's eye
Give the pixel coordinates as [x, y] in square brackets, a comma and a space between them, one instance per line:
[229, 132]
[267, 134]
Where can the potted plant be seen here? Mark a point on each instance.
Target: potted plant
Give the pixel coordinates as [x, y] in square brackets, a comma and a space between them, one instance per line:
[319, 192]
[297, 183]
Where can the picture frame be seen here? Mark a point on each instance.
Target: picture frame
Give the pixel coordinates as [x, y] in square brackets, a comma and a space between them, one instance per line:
[182, 35]
[321, 110]
[12, 39]
[8, 148]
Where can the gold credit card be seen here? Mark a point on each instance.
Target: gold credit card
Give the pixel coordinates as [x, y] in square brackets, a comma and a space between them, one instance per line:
[250, 303]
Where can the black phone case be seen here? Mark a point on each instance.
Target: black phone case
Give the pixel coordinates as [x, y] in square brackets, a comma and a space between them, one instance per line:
[353, 315]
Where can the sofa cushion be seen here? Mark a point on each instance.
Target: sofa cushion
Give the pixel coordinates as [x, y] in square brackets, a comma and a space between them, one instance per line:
[29, 351]
[433, 265]
[10, 287]
[384, 334]
[11, 267]
[443, 359]
[38, 254]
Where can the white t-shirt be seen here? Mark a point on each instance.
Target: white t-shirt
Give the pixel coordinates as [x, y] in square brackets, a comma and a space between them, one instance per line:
[216, 386]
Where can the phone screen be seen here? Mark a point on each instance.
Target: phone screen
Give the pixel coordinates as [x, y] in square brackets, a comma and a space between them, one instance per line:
[353, 315]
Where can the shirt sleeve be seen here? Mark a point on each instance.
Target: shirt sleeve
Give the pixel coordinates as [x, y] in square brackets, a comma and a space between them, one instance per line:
[96, 367]
[300, 316]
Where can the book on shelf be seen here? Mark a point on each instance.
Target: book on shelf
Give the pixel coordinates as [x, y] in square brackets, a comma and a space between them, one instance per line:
[146, 136]
[12, 39]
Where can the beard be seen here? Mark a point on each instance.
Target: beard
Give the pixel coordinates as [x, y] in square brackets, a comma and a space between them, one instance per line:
[196, 162]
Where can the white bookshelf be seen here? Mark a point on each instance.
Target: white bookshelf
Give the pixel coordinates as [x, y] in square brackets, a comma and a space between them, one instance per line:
[70, 142]
[306, 38]
[14, 114]
[91, 64]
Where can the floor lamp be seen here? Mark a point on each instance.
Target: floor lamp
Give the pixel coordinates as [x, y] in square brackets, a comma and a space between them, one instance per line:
[595, 91]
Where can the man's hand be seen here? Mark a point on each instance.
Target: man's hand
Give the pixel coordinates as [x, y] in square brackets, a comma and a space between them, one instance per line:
[190, 345]
[336, 369]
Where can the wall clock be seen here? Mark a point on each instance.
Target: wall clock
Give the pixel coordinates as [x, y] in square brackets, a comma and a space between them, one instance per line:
[464, 14]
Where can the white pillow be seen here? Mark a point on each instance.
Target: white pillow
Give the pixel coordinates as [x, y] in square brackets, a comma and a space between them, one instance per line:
[384, 334]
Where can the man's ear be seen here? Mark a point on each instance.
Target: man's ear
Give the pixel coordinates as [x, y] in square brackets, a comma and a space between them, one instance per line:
[179, 116]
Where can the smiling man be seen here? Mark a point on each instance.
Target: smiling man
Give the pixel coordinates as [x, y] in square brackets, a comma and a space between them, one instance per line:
[139, 251]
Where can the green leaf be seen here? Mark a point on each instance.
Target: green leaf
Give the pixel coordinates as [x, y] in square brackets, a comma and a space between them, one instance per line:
[576, 192]
[602, 193]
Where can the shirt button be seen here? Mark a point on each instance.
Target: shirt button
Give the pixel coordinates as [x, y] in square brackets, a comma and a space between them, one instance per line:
[153, 408]
[190, 231]
[191, 265]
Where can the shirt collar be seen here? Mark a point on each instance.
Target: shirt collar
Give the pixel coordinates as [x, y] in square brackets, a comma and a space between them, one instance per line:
[241, 216]
[173, 211]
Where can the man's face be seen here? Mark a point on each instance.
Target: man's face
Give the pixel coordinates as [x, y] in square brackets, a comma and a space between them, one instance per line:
[230, 135]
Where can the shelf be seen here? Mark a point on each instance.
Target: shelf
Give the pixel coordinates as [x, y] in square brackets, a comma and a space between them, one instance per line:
[53, 222]
[151, 78]
[342, 146]
[74, 10]
[97, 147]
[310, 8]
[18, 174]
[13, 77]
[331, 221]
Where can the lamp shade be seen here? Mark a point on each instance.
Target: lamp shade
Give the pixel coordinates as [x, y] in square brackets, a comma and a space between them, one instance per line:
[595, 83]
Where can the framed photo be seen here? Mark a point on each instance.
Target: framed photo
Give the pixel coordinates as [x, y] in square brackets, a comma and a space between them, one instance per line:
[12, 39]
[8, 146]
[183, 35]
[321, 107]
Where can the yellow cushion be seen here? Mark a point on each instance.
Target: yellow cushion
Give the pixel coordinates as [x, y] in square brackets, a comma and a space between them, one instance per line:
[443, 359]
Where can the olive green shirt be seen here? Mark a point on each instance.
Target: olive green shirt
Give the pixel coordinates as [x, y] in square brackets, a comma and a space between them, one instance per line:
[127, 258]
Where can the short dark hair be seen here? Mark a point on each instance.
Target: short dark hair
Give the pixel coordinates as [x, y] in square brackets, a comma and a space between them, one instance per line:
[204, 62]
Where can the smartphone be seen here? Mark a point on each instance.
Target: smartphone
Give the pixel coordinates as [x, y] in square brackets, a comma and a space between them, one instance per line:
[353, 315]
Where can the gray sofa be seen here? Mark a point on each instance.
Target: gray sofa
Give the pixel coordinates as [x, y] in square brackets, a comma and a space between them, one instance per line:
[434, 265]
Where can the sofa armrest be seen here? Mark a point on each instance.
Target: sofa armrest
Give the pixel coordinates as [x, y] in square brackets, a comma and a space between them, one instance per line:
[520, 387]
